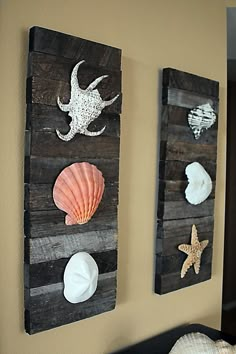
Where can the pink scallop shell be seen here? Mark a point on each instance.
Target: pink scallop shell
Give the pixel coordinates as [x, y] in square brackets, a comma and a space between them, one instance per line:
[78, 191]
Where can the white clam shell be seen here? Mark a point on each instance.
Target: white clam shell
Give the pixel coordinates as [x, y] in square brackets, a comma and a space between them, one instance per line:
[80, 278]
[201, 118]
[200, 185]
[199, 343]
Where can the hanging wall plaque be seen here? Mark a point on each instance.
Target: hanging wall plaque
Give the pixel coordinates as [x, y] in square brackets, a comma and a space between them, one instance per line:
[71, 179]
[187, 175]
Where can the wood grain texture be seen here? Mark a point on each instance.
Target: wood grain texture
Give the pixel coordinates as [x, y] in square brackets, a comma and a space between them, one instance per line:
[63, 45]
[49, 243]
[179, 148]
[41, 274]
[46, 307]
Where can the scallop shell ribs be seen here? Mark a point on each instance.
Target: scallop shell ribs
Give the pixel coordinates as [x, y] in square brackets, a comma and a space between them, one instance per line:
[78, 191]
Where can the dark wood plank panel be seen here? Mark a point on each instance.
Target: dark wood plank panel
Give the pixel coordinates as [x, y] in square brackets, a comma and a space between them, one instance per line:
[165, 283]
[52, 272]
[59, 68]
[46, 249]
[179, 133]
[45, 91]
[52, 222]
[173, 263]
[186, 81]
[49, 118]
[169, 246]
[175, 170]
[49, 145]
[46, 169]
[47, 308]
[182, 210]
[182, 227]
[39, 196]
[188, 152]
[63, 45]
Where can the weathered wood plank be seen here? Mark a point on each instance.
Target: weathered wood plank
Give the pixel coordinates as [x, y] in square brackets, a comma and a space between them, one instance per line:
[64, 45]
[52, 222]
[165, 283]
[182, 227]
[49, 118]
[39, 196]
[169, 246]
[43, 170]
[49, 145]
[60, 69]
[46, 273]
[188, 152]
[45, 91]
[51, 248]
[175, 170]
[47, 308]
[178, 133]
[175, 190]
[182, 210]
[173, 263]
[186, 81]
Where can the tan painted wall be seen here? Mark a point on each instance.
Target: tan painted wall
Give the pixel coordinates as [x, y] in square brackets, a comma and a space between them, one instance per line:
[189, 35]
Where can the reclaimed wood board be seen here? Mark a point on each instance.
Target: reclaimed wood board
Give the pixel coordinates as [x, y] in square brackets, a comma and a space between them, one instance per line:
[49, 243]
[178, 148]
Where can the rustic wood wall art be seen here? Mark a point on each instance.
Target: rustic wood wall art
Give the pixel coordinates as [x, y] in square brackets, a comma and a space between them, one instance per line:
[73, 116]
[187, 174]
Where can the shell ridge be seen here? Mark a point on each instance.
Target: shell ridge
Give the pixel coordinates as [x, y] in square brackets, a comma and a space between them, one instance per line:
[79, 197]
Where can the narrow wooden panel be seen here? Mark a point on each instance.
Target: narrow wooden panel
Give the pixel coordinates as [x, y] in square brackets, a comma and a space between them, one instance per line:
[51, 67]
[181, 80]
[52, 222]
[46, 273]
[170, 263]
[39, 196]
[183, 210]
[185, 99]
[49, 242]
[47, 308]
[181, 93]
[63, 45]
[182, 227]
[45, 169]
[49, 118]
[52, 248]
[189, 152]
[169, 246]
[49, 145]
[45, 91]
[166, 283]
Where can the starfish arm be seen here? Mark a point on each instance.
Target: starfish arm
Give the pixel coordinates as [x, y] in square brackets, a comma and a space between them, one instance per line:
[194, 237]
[186, 265]
[185, 248]
[204, 244]
[197, 266]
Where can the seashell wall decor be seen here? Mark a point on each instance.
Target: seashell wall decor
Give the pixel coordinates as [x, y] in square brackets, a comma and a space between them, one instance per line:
[78, 191]
[199, 183]
[182, 202]
[80, 278]
[84, 106]
[199, 343]
[201, 118]
[70, 219]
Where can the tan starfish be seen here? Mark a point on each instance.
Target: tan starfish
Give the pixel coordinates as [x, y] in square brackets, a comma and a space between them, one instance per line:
[194, 252]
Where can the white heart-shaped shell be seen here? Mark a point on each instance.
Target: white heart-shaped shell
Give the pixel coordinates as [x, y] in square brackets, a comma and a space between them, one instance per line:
[80, 278]
[201, 118]
[200, 185]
